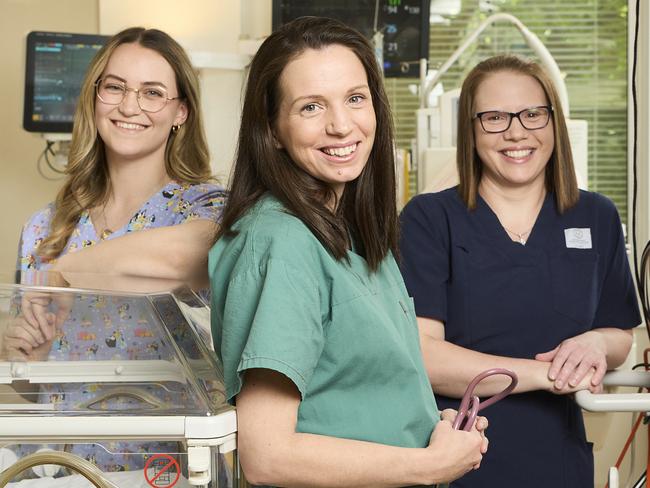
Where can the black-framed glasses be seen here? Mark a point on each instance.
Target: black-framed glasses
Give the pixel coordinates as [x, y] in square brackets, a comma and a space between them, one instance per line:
[494, 121]
[150, 98]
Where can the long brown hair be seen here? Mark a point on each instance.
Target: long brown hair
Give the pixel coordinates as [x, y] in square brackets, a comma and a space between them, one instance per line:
[367, 208]
[87, 184]
[560, 174]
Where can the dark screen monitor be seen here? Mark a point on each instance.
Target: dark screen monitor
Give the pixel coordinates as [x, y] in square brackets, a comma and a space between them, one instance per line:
[56, 65]
[404, 23]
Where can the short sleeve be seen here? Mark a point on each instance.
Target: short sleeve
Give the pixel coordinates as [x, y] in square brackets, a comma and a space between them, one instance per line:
[425, 256]
[271, 320]
[618, 306]
[205, 201]
[34, 231]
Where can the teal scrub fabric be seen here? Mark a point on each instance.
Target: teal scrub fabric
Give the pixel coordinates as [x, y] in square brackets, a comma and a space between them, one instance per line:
[346, 337]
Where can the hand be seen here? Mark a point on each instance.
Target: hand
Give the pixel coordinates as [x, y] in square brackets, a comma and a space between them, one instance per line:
[585, 384]
[29, 336]
[455, 452]
[24, 342]
[573, 360]
[46, 311]
[480, 425]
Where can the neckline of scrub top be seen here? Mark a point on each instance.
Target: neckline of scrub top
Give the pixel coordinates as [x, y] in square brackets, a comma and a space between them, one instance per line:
[538, 234]
[123, 230]
[357, 265]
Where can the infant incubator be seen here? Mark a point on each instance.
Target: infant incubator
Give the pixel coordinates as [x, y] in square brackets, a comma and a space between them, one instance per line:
[127, 393]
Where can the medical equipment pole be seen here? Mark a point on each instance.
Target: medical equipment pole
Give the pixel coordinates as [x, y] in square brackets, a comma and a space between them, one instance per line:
[531, 39]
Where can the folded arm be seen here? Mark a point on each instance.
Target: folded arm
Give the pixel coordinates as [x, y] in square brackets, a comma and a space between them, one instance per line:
[451, 368]
[177, 252]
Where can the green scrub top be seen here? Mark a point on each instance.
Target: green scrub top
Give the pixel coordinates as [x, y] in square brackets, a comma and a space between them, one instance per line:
[346, 337]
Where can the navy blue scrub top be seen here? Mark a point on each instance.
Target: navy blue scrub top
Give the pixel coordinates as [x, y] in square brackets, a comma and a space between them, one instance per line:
[499, 297]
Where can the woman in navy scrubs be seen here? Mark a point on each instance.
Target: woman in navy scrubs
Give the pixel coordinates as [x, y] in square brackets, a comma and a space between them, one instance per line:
[517, 268]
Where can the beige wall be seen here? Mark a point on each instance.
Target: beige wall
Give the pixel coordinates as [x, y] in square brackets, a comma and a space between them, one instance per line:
[22, 189]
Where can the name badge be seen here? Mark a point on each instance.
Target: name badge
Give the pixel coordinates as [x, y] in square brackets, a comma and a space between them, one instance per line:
[578, 238]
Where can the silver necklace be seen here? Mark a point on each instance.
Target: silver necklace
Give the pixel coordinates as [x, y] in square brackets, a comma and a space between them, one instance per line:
[519, 236]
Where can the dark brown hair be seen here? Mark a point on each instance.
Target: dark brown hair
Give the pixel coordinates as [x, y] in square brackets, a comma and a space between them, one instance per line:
[560, 173]
[367, 208]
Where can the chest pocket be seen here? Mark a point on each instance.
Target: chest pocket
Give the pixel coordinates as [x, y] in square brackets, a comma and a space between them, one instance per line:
[574, 285]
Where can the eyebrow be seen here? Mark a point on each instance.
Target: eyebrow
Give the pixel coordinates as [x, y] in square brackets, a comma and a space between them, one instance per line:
[311, 97]
[146, 83]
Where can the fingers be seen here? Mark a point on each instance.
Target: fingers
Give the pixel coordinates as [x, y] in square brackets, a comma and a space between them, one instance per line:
[15, 349]
[575, 358]
[448, 414]
[36, 313]
[595, 389]
[21, 331]
[580, 372]
[484, 446]
[599, 374]
[564, 362]
[481, 424]
[547, 356]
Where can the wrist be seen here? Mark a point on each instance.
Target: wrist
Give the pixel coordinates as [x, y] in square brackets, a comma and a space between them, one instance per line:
[540, 376]
[431, 465]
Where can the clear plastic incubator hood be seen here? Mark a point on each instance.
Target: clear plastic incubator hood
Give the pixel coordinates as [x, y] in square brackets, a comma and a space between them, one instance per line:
[110, 388]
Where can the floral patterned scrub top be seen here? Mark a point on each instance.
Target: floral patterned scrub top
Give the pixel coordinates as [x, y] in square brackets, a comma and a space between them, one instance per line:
[126, 333]
[173, 204]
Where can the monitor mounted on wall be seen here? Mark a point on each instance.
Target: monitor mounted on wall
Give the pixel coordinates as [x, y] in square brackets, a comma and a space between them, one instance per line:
[55, 66]
[403, 23]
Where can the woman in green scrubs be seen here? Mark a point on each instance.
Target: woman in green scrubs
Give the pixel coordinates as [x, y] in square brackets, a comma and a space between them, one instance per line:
[311, 318]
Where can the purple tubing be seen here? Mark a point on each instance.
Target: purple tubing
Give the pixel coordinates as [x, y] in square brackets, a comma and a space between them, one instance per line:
[465, 418]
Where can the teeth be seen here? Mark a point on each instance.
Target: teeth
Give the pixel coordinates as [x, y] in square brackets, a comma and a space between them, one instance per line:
[340, 151]
[126, 125]
[522, 153]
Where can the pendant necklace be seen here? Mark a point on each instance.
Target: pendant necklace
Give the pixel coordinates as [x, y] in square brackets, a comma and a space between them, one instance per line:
[107, 232]
[519, 236]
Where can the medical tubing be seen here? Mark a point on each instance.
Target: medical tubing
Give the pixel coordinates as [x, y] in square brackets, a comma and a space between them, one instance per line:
[85, 468]
[467, 419]
[637, 423]
[628, 442]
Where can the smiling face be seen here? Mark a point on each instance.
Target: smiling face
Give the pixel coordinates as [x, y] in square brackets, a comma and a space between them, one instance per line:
[518, 156]
[326, 120]
[128, 132]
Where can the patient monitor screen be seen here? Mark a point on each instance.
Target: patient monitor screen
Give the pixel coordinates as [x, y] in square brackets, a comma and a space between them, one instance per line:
[403, 23]
[55, 67]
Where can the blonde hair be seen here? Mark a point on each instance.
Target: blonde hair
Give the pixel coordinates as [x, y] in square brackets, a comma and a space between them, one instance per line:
[560, 173]
[87, 183]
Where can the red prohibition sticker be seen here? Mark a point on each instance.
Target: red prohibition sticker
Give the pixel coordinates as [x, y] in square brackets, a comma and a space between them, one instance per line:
[162, 471]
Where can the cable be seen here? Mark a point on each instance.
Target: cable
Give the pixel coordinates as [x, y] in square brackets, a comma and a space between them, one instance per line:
[85, 468]
[641, 275]
[45, 156]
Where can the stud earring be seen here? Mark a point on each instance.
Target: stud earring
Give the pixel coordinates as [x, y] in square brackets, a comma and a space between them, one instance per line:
[175, 127]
